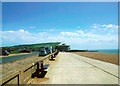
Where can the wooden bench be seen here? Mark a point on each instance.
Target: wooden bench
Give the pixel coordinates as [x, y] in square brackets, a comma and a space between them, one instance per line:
[41, 69]
[53, 56]
[46, 66]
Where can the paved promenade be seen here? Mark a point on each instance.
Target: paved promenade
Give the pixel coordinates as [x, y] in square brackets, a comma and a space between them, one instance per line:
[70, 68]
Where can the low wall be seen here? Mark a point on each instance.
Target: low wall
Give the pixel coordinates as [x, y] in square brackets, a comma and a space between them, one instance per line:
[24, 74]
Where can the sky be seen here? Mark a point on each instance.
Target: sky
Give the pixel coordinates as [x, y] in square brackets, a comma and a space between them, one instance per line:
[83, 25]
[60, 0]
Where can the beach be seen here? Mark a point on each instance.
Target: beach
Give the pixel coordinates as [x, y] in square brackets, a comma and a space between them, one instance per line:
[111, 58]
[17, 65]
[15, 54]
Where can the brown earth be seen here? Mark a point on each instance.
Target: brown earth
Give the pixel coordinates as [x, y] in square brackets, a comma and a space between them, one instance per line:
[11, 67]
[15, 54]
[111, 58]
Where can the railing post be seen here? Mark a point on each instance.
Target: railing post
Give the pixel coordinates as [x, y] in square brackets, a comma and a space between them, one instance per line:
[21, 77]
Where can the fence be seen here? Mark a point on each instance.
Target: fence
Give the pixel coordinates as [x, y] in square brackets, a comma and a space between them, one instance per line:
[25, 74]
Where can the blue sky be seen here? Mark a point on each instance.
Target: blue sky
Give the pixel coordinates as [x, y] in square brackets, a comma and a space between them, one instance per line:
[83, 25]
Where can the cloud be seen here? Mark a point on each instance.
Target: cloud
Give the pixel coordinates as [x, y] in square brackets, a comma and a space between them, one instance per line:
[73, 34]
[32, 27]
[21, 30]
[20, 37]
[91, 38]
[95, 26]
[69, 34]
[51, 30]
[110, 26]
[95, 37]
[11, 31]
[107, 28]
[81, 32]
[78, 26]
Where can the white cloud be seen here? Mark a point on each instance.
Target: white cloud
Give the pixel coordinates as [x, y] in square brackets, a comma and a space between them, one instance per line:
[32, 27]
[95, 26]
[106, 28]
[11, 31]
[69, 34]
[19, 36]
[21, 30]
[77, 39]
[112, 30]
[81, 32]
[110, 26]
[78, 26]
[91, 36]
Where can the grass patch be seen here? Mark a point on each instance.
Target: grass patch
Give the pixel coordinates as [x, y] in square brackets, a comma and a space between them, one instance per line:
[14, 52]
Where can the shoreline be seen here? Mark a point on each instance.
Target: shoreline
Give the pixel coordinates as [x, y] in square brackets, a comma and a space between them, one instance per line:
[14, 54]
[105, 57]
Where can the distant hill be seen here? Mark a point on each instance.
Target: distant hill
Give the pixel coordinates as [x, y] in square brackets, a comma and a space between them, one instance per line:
[31, 47]
[53, 44]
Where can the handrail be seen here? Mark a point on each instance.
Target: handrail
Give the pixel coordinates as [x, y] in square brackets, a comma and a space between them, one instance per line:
[12, 76]
[9, 77]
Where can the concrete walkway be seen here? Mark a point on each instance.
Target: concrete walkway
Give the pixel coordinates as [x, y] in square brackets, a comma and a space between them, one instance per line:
[70, 68]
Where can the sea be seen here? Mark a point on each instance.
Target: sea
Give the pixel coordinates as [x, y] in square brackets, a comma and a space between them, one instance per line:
[112, 51]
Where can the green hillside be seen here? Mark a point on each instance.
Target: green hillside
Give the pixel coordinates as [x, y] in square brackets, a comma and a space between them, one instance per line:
[53, 44]
[31, 47]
